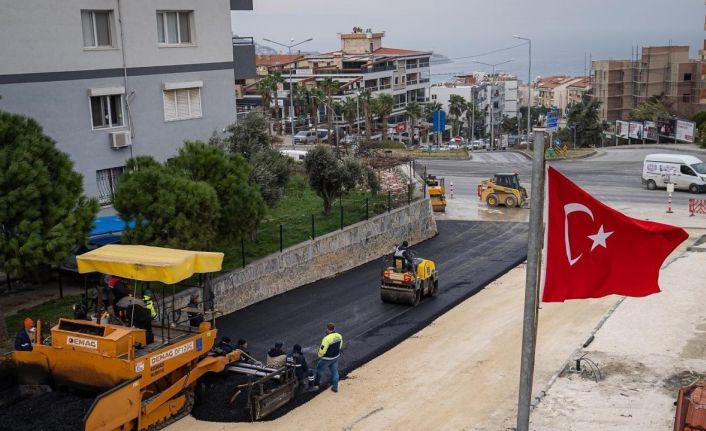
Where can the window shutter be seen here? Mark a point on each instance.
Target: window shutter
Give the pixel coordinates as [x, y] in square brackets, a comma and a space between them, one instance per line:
[182, 100]
[170, 106]
[195, 99]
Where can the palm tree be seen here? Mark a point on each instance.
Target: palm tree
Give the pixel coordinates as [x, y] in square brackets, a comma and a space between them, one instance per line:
[365, 101]
[315, 98]
[414, 111]
[299, 99]
[350, 112]
[276, 79]
[457, 104]
[264, 89]
[429, 110]
[382, 106]
[330, 87]
[471, 111]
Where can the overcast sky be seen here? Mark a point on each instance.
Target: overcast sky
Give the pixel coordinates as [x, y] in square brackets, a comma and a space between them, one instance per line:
[561, 30]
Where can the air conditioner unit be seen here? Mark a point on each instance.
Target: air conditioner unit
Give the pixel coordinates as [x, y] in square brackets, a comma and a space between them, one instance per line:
[120, 140]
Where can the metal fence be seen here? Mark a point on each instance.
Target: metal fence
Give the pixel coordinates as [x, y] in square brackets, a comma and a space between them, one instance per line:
[276, 235]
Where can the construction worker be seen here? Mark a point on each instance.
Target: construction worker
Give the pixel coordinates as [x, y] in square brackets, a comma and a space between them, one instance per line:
[225, 345]
[195, 317]
[276, 356]
[149, 302]
[402, 251]
[297, 361]
[329, 352]
[23, 339]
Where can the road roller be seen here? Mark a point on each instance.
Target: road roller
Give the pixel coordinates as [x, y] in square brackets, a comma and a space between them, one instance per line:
[406, 281]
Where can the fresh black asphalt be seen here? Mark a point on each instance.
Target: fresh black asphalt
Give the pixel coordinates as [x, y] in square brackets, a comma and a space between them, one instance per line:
[468, 254]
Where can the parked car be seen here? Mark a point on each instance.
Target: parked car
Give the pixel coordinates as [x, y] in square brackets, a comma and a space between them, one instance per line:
[106, 230]
[305, 137]
[297, 155]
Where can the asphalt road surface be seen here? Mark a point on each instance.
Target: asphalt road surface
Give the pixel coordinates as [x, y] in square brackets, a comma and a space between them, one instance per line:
[469, 255]
[613, 175]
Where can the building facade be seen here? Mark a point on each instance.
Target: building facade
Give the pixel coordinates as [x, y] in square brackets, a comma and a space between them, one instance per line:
[118, 79]
[362, 63]
[560, 91]
[621, 85]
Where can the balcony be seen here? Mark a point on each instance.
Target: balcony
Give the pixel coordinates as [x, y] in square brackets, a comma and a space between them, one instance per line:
[423, 80]
[378, 68]
[241, 5]
[244, 58]
[412, 82]
[423, 64]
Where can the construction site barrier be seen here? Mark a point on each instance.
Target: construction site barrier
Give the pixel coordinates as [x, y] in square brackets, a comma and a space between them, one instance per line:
[697, 206]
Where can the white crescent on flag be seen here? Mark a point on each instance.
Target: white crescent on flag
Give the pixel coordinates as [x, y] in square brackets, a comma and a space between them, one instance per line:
[598, 239]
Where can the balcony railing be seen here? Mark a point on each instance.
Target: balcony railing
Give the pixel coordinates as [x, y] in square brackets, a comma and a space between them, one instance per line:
[424, 64]
[243, 40]
[373, 69]
[385, 87]
[423, 80]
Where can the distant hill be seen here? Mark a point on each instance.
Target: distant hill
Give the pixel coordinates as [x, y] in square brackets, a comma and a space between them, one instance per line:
[437, 58]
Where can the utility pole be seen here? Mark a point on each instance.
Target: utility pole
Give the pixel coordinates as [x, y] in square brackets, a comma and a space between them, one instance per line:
[357, 115]
[291, 85]
[531, 314]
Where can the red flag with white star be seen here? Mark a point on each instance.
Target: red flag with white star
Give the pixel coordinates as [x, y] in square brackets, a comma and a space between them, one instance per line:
[595, 251]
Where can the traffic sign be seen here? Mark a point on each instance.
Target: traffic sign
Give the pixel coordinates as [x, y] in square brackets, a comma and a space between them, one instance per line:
[439, 121]
[552, 120]
[557, 142]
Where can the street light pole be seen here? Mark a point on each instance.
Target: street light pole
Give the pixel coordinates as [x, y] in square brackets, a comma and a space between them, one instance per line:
[492, 107]
[291, 85]
[529, 85]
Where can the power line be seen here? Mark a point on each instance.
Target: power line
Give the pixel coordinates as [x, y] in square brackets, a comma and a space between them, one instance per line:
[482, 54]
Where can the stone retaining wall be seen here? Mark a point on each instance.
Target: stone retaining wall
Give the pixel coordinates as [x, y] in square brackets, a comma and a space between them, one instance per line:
[323, 257]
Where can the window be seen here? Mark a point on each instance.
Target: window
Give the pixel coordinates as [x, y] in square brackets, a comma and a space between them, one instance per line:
[686, 98]
[97, 28]
[687, 77]
[174, 28]
[182, 104]
[107, 181]
[107, 111]
[687, 171]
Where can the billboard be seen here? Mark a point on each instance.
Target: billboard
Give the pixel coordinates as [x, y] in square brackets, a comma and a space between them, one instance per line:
[635, 130]
[666, 127]
[685, 131]
[622, 129]
[650, 130]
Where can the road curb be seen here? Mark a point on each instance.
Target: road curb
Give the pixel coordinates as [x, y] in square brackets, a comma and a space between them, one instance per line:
[582, 156]
[658, 146]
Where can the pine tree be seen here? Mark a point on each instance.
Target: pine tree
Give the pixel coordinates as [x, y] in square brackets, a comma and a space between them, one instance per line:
[43, 211]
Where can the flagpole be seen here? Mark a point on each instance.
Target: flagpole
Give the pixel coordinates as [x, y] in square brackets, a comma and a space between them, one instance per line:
[534, 251]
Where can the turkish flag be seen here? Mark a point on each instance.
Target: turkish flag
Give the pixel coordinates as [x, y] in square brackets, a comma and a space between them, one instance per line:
[595, 251]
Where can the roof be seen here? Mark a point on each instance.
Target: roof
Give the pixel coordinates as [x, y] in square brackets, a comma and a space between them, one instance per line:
[271, 60]
[554, 81]
[584, 83]
[395, 51]
[144, 263]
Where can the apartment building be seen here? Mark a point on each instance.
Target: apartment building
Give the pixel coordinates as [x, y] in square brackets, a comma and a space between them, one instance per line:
[111, 79]
[362, 63]
[624, 84]
[560, 91]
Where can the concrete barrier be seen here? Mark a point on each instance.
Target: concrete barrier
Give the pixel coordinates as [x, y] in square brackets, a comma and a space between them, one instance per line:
[323, 257]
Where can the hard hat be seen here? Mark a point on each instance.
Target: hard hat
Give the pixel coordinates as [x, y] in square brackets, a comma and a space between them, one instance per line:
[29, 323]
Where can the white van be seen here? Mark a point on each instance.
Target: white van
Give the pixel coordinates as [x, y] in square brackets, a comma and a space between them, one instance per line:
[686, 172]
[297, 155]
